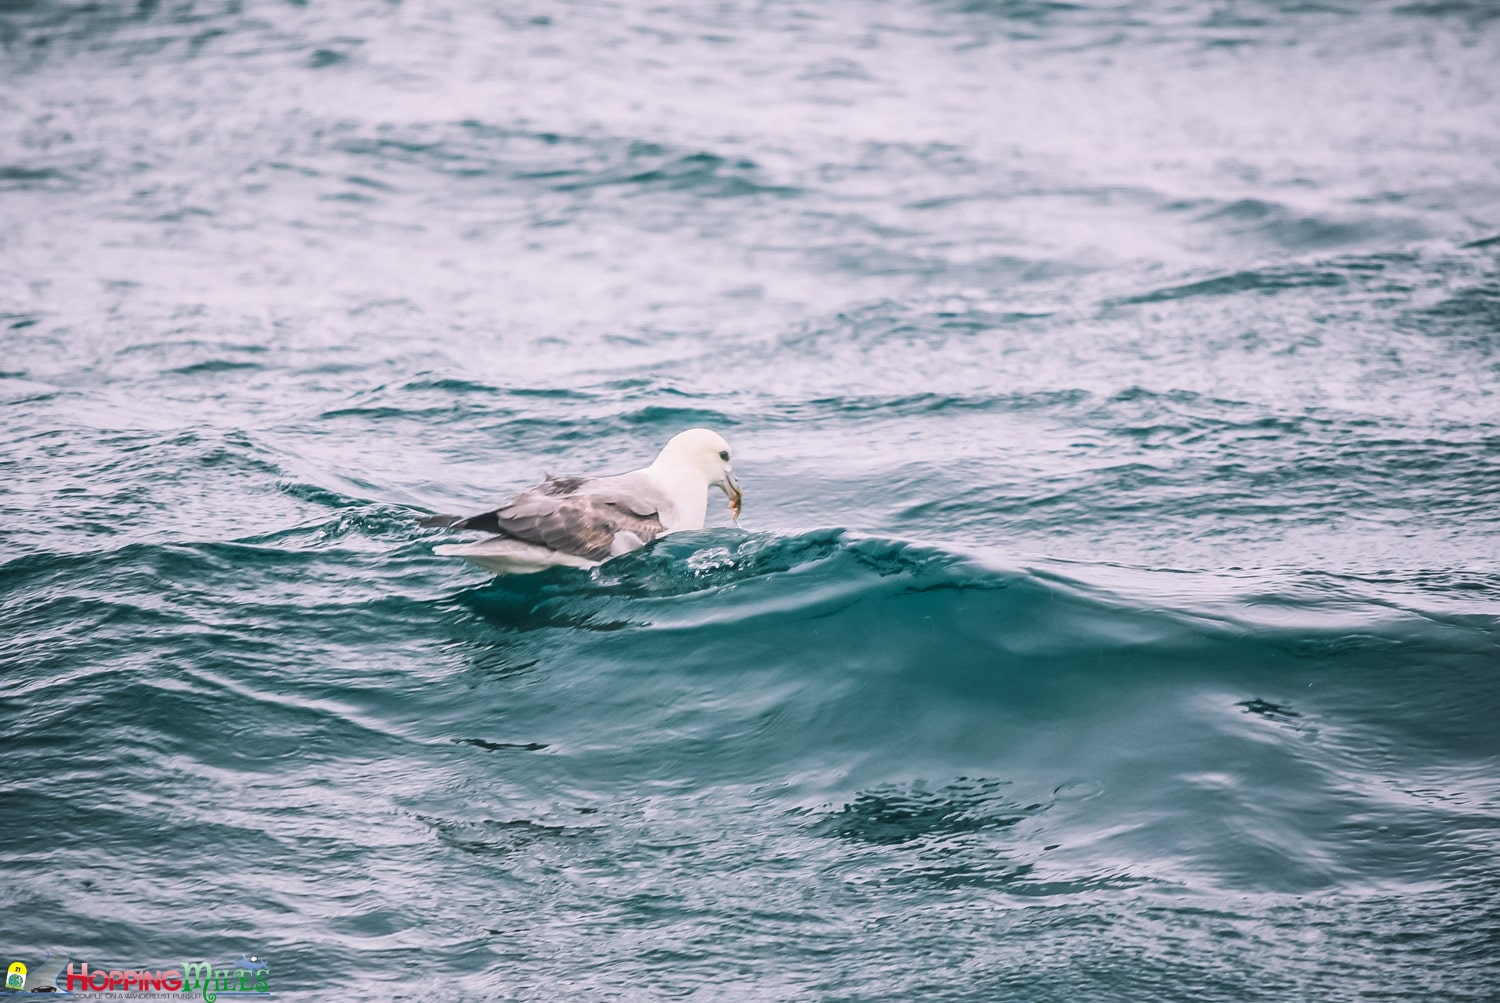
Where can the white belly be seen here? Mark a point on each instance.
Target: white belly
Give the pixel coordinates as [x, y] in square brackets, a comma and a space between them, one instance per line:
[505, 556]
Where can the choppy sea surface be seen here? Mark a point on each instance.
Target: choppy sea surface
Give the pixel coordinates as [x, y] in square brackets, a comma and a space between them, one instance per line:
[1116, 390]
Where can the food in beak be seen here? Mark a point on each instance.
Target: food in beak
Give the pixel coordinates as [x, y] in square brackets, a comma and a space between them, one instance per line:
[736, 497]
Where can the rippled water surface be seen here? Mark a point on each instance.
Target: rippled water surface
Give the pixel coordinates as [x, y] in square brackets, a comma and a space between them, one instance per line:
[1116, 610]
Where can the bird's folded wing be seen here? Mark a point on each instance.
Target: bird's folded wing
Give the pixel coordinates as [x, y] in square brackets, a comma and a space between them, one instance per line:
[584, 523]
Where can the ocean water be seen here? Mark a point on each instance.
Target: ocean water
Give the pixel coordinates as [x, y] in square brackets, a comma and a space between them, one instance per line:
[1115, 385]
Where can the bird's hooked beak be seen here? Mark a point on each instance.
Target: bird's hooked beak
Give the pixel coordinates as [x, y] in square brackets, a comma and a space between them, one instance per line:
[731, 489]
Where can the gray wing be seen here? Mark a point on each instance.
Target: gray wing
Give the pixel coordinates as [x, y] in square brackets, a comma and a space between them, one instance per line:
[577, 516]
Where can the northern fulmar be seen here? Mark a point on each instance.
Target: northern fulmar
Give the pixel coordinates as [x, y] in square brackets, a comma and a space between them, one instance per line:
[583, 521]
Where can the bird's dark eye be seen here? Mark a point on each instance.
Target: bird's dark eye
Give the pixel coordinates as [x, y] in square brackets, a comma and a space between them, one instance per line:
[724, 455]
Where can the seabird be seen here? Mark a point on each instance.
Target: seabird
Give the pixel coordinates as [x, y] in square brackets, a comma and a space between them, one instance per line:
[583, 521]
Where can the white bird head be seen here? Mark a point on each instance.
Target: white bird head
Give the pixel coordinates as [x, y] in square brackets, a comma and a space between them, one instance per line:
[702, 453]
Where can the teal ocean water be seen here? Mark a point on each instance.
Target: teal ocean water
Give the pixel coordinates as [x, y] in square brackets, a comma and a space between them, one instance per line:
[1115, 386]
